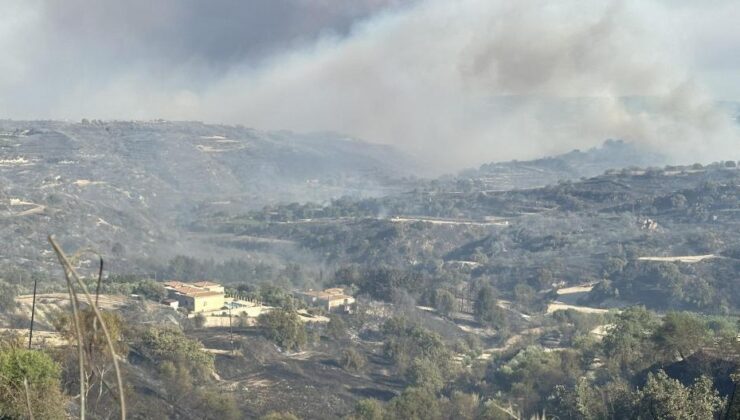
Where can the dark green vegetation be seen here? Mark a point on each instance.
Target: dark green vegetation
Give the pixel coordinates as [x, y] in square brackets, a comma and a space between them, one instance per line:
[284, 327]
[622, 376]
[28, 377]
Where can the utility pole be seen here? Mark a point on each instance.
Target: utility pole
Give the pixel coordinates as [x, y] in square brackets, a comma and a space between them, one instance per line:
[231, 333]
[33, 312]
[100, 277]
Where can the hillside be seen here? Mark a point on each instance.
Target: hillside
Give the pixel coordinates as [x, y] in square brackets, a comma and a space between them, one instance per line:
[131, 189]
[484, 292]
[612, 154]
[645, 233]
[124, 187]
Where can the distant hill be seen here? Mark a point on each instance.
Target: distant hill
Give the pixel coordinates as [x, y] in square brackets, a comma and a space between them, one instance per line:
[612, 154]
[127, 185]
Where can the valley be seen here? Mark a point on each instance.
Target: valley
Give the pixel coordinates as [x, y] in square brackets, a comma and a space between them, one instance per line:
[462, 285]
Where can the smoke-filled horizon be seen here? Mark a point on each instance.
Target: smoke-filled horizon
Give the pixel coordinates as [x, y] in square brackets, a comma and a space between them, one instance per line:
[457, 83]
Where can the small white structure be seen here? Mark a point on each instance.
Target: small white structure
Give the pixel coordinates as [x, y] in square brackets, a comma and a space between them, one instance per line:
[172, 303]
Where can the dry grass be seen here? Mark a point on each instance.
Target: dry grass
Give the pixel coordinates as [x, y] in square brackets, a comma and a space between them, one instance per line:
[558, 306]
[40, 338]
[575, 289]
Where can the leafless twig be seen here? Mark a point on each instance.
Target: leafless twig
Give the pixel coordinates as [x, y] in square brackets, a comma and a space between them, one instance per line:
[70, 272]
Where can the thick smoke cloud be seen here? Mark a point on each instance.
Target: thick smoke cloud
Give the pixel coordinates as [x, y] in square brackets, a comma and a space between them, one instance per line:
[457, 82]
[218, 33]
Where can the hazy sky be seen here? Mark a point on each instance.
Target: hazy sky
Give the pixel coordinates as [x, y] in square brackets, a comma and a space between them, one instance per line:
[457, 81]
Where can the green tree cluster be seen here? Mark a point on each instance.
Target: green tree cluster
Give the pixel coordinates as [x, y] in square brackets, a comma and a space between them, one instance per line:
[29, 378]
[150, 290]
[405, 342]
[486, 309]
[169, 344]
[284, 327]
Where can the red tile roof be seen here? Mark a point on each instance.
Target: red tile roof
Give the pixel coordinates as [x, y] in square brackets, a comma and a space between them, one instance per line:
[205, 283]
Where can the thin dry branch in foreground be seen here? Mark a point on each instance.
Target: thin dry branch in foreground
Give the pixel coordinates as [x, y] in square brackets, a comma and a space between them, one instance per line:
[69, 274]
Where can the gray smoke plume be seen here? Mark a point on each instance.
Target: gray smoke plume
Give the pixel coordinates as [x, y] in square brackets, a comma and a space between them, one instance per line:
[458, 82]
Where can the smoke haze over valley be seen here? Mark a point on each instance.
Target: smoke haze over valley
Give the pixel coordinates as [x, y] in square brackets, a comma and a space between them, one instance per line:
[455, 83]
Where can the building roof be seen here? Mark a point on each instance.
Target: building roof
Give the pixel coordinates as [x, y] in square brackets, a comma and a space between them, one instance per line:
[195, 292]
[203, 293]
[328, 294]
[192, 290]
[334, 291]
[205, 283]
[188, 289]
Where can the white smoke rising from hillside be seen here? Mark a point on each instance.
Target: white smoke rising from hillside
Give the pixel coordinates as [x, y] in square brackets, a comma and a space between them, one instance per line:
[458, 82]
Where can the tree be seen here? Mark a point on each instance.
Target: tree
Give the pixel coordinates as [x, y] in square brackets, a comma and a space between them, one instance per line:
[405, 342]
[367, 409]
[613, 266]
[199, 320]
[150, 290]
[30, 375]
[98, 357]
[544, 278]
[601, 291]
[275, 296]
[585, 400]
[183, 267]
[351, 359]
[531, 376]
[677, 201]
[414, 404]
[7, 296]
[665, 398]
[425, 374]
[161, 344]
[486, 308]
[217, 406]
[490, 410]
[463, 406]
[628, 343]
[284, 327]
[444, 302]
[177, 380]
[682, 333]
[184, 369]
[336, 328]
[524, 295]
[381, 283]
[733, 402]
